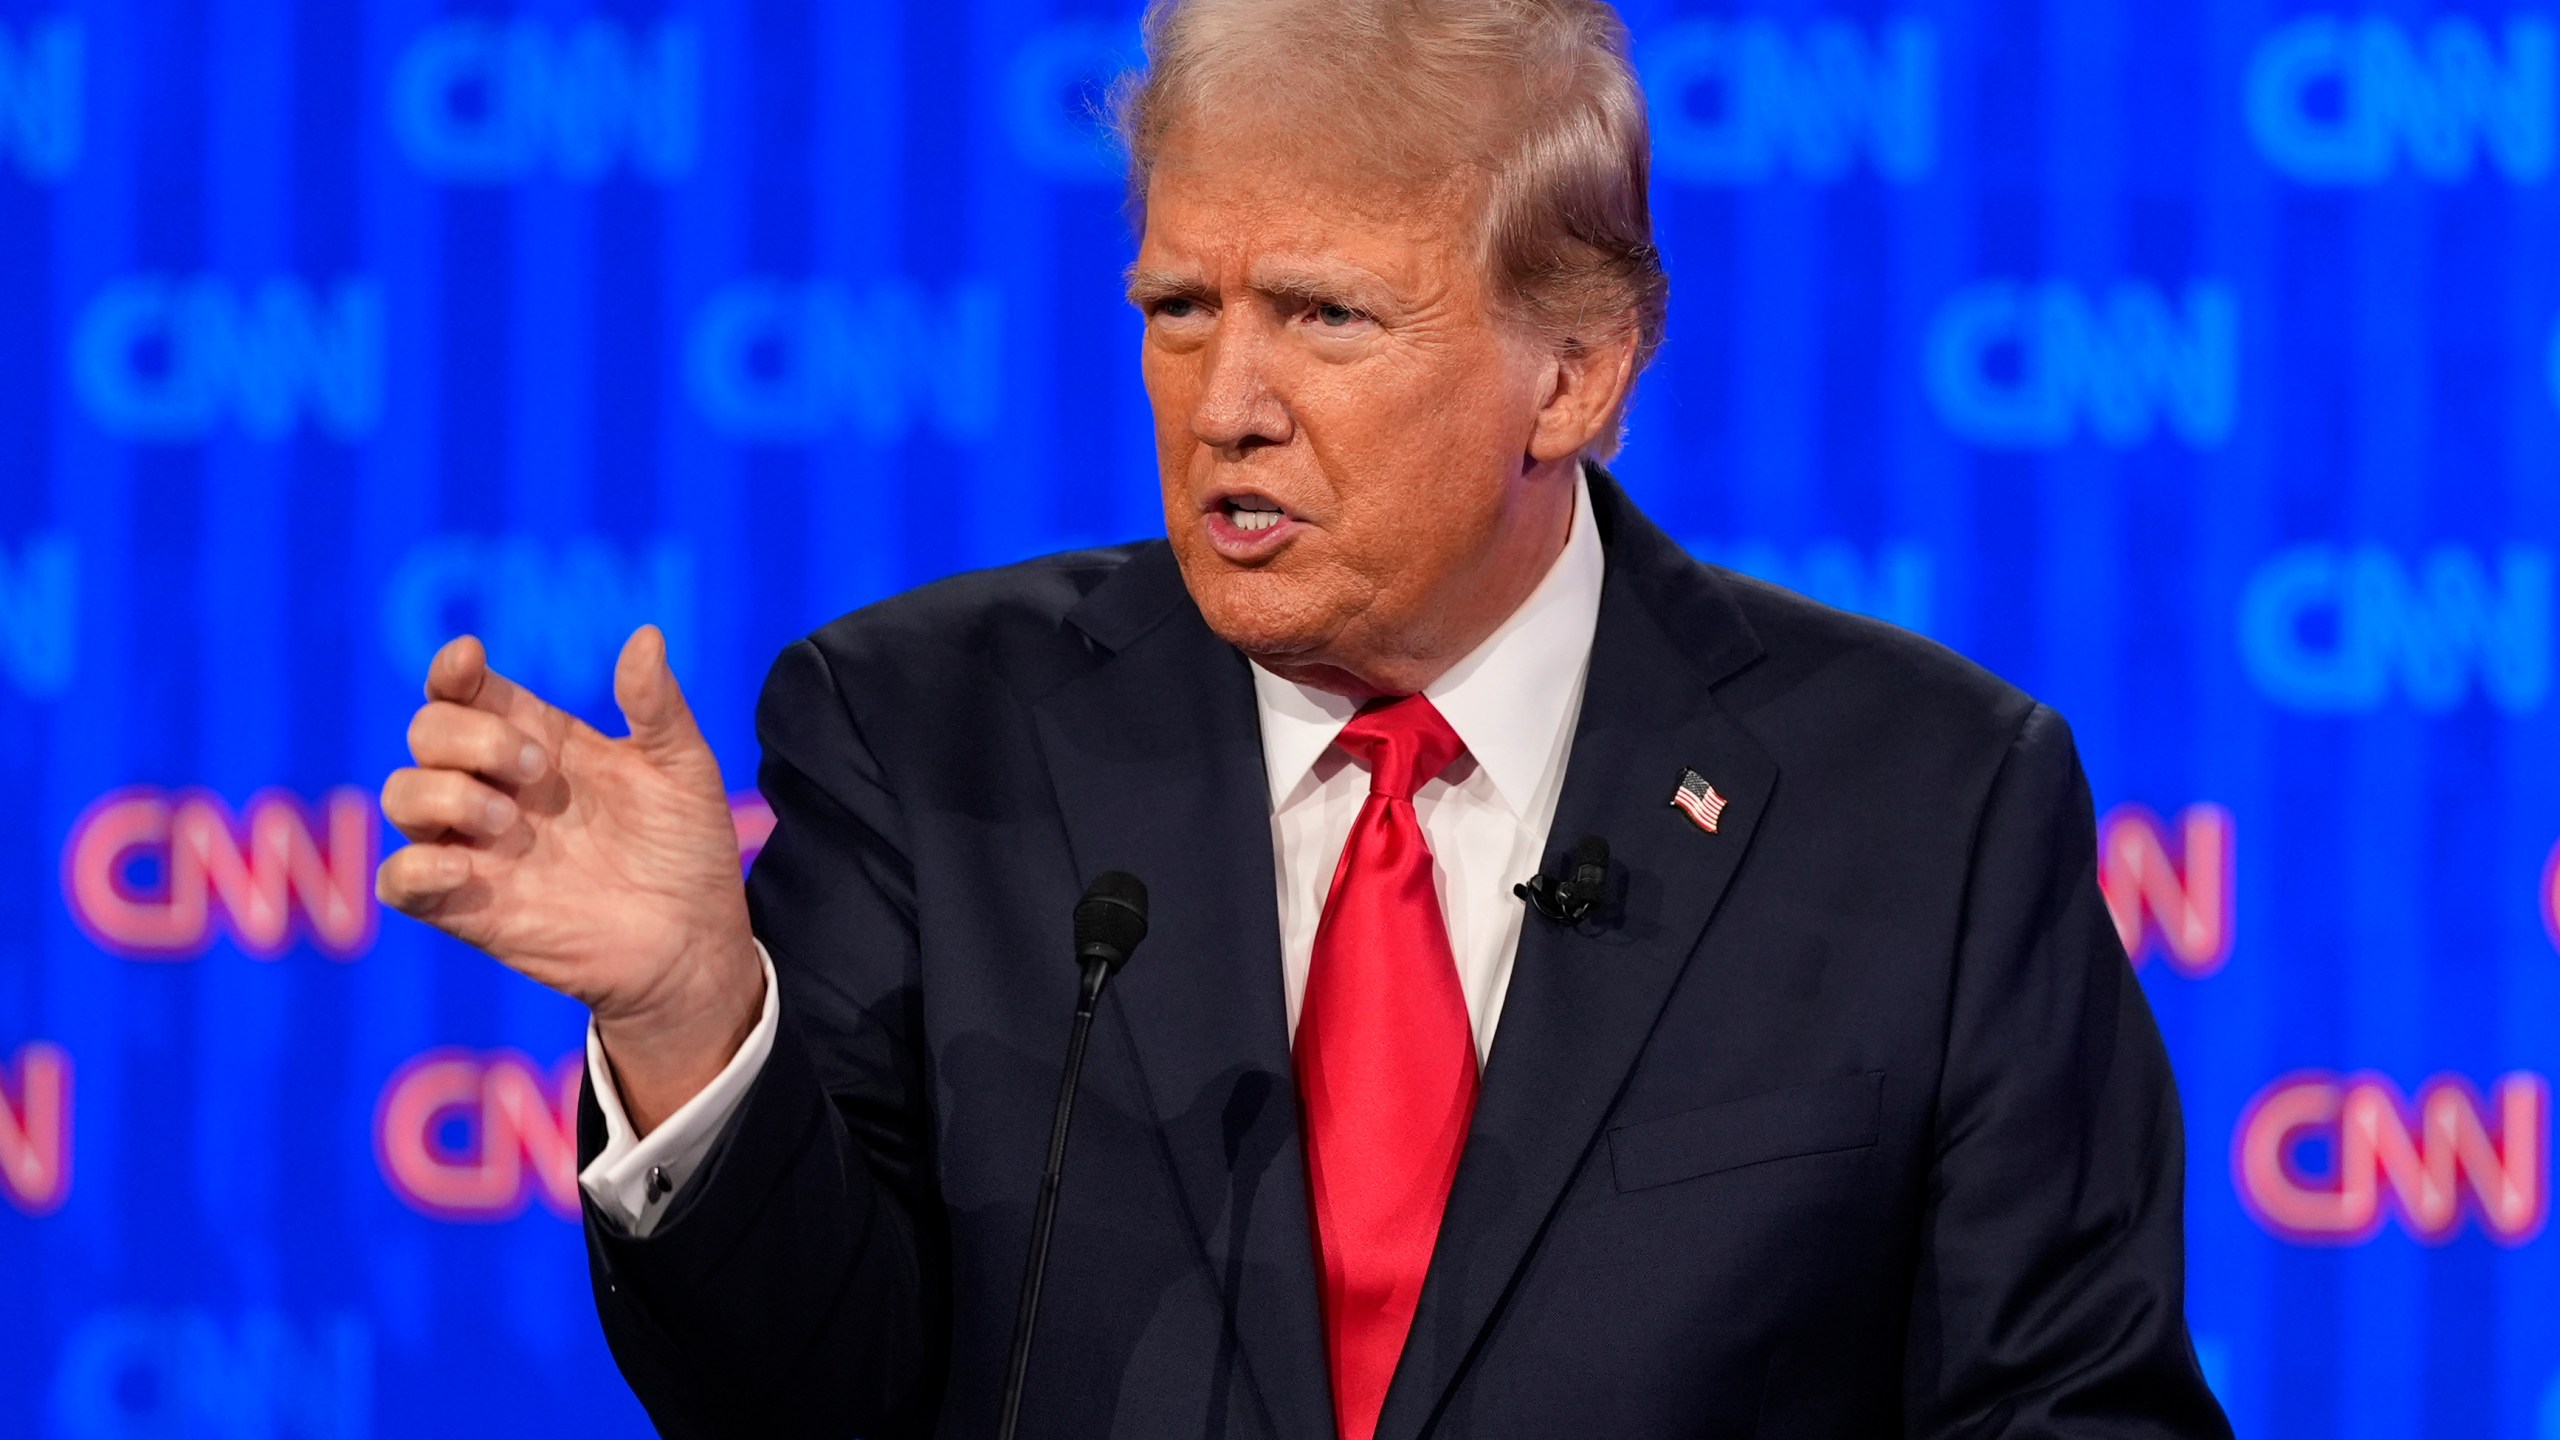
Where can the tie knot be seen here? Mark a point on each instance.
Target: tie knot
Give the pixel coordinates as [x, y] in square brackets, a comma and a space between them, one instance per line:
[1401, 743]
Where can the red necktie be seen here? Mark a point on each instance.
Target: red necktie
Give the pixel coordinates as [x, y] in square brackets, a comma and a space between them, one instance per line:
[1386, 1062]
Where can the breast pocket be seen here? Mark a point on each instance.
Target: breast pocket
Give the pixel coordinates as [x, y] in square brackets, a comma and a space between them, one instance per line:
[1816, 1119]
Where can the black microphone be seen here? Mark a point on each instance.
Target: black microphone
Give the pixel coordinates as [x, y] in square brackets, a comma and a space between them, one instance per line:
[1566, 901]
[1110, 921]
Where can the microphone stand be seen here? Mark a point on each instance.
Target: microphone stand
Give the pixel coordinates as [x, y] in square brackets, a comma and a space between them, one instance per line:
[1044, 1215]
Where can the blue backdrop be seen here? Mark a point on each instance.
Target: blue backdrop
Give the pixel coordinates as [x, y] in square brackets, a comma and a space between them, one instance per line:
[2193, 363]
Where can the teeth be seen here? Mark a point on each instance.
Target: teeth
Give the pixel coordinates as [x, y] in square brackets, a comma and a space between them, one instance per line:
[1253, 519]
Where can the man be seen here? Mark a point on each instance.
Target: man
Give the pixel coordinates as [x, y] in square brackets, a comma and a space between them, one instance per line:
[1840, 1114]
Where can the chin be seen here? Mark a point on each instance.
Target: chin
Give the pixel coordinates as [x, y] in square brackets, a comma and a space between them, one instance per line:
[1264, 614]
[1271, 630]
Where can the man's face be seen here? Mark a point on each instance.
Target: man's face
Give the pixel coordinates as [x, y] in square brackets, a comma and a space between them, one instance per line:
[1343, 420]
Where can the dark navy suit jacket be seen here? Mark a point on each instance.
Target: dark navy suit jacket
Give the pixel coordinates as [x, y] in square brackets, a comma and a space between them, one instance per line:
[1847, 1120]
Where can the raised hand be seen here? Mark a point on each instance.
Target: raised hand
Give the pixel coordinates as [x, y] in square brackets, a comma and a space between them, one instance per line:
[606, 869]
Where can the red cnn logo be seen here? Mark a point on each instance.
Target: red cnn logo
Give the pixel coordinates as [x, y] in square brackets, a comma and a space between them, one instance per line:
[2428, 1163]
[465, 1135]
[251, 876]
[752, 818]
[2551, 896]
[35, 1129]
[2174, 899]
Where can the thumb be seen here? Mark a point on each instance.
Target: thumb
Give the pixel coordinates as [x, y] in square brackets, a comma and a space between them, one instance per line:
[652, 705]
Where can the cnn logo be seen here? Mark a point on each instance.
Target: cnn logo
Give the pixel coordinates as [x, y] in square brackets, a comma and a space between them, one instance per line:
[156, 875]
[472, 1136]
[2429, 1163]
[2170, 891]
[2551, 897]
[35, 1129]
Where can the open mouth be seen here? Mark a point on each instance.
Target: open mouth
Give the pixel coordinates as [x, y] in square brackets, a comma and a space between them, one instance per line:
[1252, 513]
[1246, 526]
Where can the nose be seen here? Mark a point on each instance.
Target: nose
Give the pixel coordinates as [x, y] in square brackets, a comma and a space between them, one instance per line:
[1238, 408]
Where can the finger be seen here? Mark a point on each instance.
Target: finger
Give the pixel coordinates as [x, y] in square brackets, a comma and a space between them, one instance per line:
[429, 804]
[653, 705]
[460, 673]
[446, 736]
[416, 879]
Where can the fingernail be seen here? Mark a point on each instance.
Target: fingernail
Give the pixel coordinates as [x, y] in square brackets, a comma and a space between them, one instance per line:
[529, 764]
[501, 814]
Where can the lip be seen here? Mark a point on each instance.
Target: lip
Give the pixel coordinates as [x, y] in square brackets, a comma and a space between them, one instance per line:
[1241, 545]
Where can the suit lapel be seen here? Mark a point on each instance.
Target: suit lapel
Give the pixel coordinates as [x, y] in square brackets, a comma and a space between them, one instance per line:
[1582, 1001]
[1157, 759]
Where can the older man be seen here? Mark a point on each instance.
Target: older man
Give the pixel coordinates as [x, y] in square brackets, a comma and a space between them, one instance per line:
[1839, 1115]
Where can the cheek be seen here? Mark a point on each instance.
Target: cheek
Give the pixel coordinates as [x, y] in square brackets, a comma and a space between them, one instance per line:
[1170, 380]
[1429, 463]
[1458, 402]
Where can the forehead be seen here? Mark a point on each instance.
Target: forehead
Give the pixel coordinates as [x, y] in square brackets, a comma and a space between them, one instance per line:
[1234, 195]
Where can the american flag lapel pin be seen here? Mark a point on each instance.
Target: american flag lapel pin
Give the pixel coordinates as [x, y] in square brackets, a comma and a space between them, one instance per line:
[1698, 800]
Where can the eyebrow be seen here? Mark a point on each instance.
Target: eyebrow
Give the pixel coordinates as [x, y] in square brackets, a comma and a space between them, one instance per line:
[1146, 287]
[1305, 282]
[1286, 281]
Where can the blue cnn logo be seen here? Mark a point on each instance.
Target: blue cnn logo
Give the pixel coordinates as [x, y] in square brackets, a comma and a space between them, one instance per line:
[1742, 101]
[142, 1374]
[39, 614]
[785, 362]
[2032, 366]
[488, 101]
[1896, 583]
[1055, 90]
[553, 616]
[156, 358]
[41, 67]
[2553, 366]
[2343, 629]
[2340, 101]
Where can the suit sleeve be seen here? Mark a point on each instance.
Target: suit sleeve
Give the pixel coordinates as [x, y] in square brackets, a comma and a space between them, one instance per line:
[2051, 1290]
[799, 1287]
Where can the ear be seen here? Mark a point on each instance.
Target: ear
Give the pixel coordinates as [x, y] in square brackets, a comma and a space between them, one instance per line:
[1586, 388]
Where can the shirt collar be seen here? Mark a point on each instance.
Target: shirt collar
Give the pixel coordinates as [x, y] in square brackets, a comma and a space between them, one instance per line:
[1509, 699]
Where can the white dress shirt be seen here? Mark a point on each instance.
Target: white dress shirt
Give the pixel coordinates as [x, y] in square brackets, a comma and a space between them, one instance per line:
[1513, 701]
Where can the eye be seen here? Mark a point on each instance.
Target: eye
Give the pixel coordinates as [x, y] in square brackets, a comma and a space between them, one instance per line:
[1176, 307]
[1335, 316]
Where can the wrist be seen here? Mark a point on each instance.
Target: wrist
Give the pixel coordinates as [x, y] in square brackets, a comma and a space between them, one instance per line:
[666, 1050]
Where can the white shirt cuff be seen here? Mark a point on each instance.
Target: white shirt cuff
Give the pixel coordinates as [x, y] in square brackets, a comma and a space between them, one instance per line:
[637, 1180]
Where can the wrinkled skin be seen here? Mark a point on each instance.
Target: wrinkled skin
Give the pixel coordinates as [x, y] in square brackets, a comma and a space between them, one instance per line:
[606, 869]
[1335, 351]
